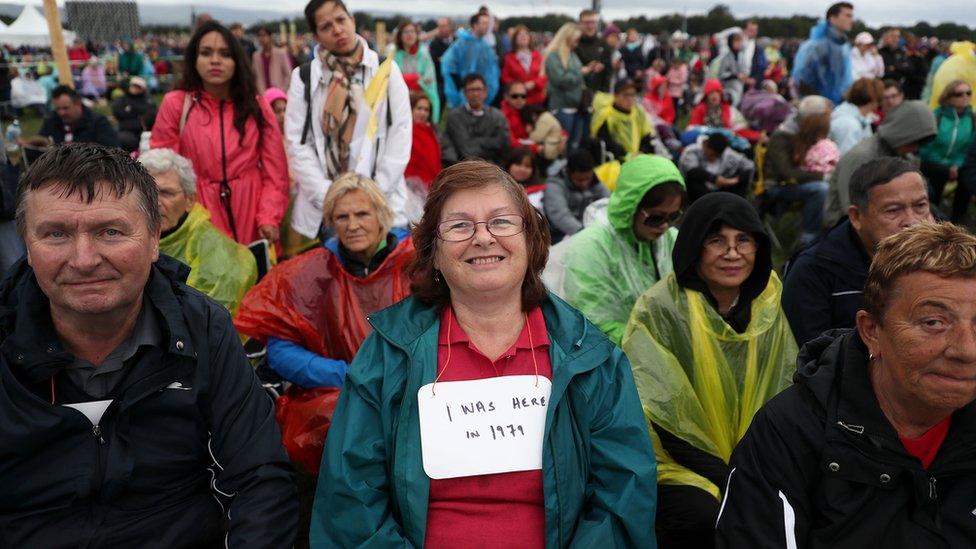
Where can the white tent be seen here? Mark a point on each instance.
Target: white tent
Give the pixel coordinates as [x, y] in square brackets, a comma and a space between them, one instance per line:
[30, 29]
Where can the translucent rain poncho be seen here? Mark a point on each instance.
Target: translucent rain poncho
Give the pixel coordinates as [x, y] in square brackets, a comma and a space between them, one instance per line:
[219, 267]
[961, 65]
[697, 377]
[605, 267]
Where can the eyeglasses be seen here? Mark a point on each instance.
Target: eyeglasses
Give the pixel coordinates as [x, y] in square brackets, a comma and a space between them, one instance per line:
[656, 220]
[478, 89]
[967, 93]
[459, 230]
[744, 245]
[517, 96]
[167, 194]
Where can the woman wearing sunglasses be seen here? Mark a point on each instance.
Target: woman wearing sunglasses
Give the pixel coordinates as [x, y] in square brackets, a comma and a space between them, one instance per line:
[606, 266]
[709, 345]
[943, 156]
[483, 412]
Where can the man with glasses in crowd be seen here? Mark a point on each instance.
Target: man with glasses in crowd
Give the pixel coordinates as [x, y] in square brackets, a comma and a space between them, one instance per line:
[476, 129]
[824, 285]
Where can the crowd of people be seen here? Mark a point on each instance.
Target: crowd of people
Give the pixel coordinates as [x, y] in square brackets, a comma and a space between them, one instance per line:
[354, 296]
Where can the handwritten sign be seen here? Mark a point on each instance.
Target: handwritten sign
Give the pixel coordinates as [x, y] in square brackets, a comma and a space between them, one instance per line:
[484, 426]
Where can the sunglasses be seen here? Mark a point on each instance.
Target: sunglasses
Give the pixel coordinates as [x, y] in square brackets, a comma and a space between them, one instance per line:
[656, 220]
[517, 96]
[968, 93]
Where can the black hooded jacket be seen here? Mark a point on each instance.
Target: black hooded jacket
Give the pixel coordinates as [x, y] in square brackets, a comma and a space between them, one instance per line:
[705, 217]
[188, 454]
[821, 466]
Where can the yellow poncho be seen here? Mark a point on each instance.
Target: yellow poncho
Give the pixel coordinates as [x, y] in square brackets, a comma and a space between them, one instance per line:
[697, 377]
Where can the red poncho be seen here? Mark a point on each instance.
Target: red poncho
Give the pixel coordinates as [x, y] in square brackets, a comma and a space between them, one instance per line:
[313, 301]
[425, 154]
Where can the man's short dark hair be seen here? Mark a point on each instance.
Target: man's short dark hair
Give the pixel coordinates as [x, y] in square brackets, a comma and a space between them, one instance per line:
[266, 29]
[717, 143]
[834, 9]
[314, 5]
[892, 83]
[65, 90]
[586, 13]
[473, 77]
[89, 169]
[579, 160]
[474, 18]
[879, 171]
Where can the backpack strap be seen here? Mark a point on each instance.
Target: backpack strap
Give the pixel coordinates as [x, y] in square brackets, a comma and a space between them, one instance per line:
[305, 73]
[187, 103]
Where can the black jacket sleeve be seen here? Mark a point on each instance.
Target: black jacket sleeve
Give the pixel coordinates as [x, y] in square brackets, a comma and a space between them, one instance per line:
[767, 500]
[246, 445]
[967, 172]
[105, 134]
[807, 300]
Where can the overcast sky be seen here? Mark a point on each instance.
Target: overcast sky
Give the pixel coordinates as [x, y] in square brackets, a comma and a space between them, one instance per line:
[874, 12]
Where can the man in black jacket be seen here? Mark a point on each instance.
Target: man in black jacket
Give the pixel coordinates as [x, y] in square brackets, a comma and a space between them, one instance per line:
[135, 113]
[823, 288]
[594, 52]
[875, 443]
[73, 122]
[129, 415]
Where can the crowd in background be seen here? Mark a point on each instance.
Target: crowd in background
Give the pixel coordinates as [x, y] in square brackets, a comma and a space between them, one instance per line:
[313, 184]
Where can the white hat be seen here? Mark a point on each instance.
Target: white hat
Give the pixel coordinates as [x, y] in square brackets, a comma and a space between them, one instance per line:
[863, 37]
[678, 35]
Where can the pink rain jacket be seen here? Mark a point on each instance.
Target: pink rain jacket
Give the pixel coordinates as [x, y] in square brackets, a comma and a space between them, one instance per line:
[257, 169]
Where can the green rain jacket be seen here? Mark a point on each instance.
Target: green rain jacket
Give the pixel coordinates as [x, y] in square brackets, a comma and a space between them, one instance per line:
[606, 266]
[597, 464]
[219, 267]
[698, 378]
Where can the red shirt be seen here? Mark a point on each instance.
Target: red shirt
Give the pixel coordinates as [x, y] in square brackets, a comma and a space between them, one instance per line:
[500, 510]
[927, 446]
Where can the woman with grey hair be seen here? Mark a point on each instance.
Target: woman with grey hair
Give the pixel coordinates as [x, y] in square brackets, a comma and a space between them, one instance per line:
[219, 267]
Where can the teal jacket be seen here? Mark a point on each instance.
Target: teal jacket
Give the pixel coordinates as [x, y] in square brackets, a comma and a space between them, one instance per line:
[955, 134]
[599, 473]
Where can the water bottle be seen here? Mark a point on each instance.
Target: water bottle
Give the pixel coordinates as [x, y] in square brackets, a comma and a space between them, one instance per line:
[13, 135]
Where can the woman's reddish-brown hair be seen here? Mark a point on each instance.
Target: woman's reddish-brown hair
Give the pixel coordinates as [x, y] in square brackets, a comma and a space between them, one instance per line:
[474, 174]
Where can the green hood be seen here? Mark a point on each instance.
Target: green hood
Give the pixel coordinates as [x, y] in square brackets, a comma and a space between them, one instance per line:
[637, 176]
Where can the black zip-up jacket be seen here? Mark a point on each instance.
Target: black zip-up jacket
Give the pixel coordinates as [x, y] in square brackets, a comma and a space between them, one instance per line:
[821, 466]
[187, 455]
[91, 128]
[824, 286]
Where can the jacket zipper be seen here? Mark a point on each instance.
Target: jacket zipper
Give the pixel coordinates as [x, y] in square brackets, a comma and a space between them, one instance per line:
[224, 184]
[955, 131]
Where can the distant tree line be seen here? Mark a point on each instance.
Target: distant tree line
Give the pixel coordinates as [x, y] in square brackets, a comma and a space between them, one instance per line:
[718, 18]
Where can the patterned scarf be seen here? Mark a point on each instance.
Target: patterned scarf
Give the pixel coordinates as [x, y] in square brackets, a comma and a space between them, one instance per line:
[339, 114]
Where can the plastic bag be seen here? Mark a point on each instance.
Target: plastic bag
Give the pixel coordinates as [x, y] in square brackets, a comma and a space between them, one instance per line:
[305, 417]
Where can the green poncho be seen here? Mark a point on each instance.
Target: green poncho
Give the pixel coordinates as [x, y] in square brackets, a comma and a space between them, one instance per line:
[697, 377]
[219, 267]
[606, 266]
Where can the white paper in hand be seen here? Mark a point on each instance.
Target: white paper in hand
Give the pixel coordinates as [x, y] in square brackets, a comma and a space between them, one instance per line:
[484, 426]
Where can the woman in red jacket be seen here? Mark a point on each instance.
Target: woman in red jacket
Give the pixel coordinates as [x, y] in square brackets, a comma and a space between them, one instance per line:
[524, 64]
[714, 111]
[218, 121]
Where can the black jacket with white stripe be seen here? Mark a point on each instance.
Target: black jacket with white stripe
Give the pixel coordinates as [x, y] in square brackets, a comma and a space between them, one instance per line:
[188, 454]
[821, 466]
[823, 288]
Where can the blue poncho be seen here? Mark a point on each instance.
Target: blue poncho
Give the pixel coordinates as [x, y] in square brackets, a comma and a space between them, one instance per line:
[824, 62]
[467, 55]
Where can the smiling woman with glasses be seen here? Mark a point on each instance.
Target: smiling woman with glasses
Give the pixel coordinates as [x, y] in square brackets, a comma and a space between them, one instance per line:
[709, 345]
[482, 400]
